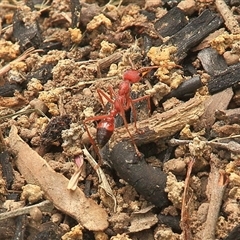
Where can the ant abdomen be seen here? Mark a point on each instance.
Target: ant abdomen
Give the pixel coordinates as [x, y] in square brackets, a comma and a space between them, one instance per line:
[104, 132]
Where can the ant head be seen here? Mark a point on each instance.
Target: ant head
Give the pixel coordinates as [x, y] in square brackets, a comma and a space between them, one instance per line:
[132, 76]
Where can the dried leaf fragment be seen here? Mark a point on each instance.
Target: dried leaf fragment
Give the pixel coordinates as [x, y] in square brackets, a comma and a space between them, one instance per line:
[102, 178]
[54, 185]
[142, 220]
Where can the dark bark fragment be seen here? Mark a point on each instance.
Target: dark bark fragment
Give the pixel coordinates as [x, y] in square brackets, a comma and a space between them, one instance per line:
[28, 33]
[52, 133]
[7, 90]
[172, 22]
[186, 89]
[43, 74]
[76, 12]
[147, 180]
[234, 234]
[7, 228]
[193, 33]
[21, 222]
[7, 169]
[218, 101]
[53, 130]
[171, 221]
[225, 79]
[212, 62]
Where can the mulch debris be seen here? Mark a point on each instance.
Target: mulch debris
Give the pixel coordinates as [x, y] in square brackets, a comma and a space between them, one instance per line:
[60, 70]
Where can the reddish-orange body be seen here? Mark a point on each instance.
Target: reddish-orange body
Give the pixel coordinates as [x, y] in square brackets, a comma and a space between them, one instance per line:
[120, 103]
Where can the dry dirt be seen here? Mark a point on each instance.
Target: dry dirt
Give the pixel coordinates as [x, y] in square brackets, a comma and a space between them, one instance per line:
[48, 181]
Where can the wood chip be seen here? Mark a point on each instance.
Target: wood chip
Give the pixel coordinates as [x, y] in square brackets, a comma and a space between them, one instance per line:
[163, 124]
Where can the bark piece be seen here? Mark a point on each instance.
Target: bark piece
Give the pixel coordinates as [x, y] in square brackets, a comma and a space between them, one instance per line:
[43, 74]
[75, 7]
[229, 116]
[7, 169]
[107, 61]
[164, 124]
[54, 185]
[212, 62]
[234, 234]
[142, 221]
[147, 180]
[171, 221]
[193, 33]
[212, 105]
[230, 21]
[217, 184]
[52, 133]
[185, 89]
[27, 33]
[13, 102]
[21, 225]
[172, 22]
[7, 90]
[225, 79]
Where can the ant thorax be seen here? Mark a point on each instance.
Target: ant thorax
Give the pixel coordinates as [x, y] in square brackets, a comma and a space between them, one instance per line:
[124, 88]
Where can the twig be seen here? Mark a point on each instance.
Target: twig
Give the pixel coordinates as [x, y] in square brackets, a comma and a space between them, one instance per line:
[23, 56]
[45, 206]
[164, 124]
[21, 224]
[230, 21]
[5, 5]
[2, 142]
[184, 212]
[24, 111]
[107, 61]
[217, 183]
[103, 182]
[232, 146]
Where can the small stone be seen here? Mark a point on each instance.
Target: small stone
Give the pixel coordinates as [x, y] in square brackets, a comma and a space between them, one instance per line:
[176, 166]
[231, 58]
[31, 193]
[36, 214]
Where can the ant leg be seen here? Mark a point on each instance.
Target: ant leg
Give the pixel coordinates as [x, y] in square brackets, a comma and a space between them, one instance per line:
[134, 109]
[122, 113]
[92, 141]
[102, 95]
[112, 93]
[147, 97]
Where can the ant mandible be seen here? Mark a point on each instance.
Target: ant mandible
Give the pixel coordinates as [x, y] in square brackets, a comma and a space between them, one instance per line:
[121, 102]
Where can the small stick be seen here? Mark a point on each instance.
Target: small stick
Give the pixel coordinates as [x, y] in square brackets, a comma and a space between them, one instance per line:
[230, 145]
[45, 206]
[184, 213]
[230, 21]
[21, 224]
[23, 56]
[10, 6]
[103, 182]
[107, 61]
[217, 183]
[164, 124]
[2, 142]
[24, 111]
